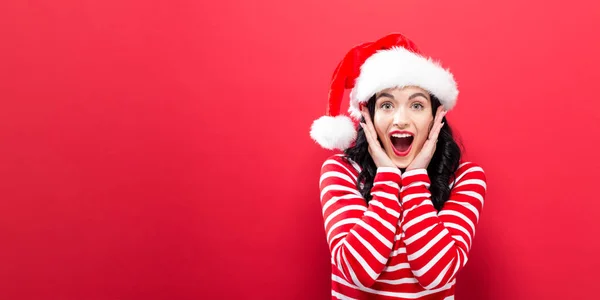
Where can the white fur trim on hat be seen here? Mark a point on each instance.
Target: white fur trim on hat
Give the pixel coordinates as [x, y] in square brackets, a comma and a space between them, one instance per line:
[399, 67]
[333, 132]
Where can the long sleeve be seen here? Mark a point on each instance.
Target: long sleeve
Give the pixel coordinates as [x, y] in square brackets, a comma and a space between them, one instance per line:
[438, 244]
[360, 237]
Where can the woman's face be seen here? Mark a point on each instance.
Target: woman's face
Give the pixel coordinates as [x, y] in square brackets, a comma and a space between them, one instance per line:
[402, 120]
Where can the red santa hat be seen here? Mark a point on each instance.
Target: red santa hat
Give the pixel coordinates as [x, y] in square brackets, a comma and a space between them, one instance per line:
[392, 61]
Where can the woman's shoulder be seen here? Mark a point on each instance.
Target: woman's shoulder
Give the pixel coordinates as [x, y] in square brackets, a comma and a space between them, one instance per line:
[469, 170]
[341, 162]
[466, 165]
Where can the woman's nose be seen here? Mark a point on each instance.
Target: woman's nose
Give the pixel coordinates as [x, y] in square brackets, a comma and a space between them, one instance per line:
[400, 119]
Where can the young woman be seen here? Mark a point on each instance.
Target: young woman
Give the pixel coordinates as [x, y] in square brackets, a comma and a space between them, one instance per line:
[400, 208]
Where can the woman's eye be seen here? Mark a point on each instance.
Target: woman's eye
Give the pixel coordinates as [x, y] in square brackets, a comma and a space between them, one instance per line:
[417, 105]
[386, 105]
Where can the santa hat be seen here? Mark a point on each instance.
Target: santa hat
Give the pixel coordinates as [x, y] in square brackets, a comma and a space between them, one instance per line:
[392, 61]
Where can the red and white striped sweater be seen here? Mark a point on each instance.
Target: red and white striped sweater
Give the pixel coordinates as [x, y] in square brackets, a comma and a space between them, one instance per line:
[398, 246]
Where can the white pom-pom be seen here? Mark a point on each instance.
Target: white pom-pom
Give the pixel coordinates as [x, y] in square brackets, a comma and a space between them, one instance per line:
[333, 132]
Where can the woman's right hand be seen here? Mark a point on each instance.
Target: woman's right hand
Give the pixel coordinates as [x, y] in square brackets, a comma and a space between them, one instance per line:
[378, 154]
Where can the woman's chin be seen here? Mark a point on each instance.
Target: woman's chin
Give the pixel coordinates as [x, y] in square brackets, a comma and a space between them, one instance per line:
[401, 162]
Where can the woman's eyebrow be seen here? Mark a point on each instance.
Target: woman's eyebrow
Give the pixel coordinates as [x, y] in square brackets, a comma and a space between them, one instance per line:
[417, 95]
[409, 98]
[385, 95]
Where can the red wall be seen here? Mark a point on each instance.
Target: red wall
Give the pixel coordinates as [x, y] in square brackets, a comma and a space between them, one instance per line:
[160, 149]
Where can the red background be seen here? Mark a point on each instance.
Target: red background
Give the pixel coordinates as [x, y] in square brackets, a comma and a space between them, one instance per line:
[160, 149]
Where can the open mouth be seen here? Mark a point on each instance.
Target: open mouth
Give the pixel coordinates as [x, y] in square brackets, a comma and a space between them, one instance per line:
[401, 143]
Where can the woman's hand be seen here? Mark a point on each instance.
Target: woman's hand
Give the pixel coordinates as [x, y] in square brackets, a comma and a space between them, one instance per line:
[379, 156]
[421, 161]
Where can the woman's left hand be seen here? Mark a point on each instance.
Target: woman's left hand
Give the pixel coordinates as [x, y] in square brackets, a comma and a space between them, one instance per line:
[421, 161]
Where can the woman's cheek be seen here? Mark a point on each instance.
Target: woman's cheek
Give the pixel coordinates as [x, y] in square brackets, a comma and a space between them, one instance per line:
[420, 142]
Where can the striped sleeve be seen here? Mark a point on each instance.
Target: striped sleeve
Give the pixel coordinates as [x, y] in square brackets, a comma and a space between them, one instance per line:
[438, 244]
[360, 237]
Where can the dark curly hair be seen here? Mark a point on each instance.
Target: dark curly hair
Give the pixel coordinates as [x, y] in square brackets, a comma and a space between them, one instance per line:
[441, 169]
